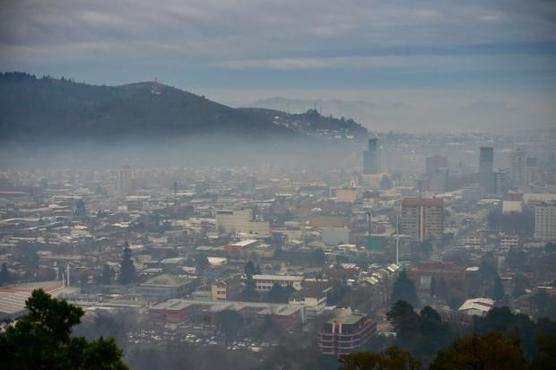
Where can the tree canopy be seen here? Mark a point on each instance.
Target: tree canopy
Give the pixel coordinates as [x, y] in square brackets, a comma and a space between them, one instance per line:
[127, 269]
[490, 352]
[404, 290]
[391, 359]
[42, 340]
[5, 275]
[229, 323]
[423, 333]
[279, 294]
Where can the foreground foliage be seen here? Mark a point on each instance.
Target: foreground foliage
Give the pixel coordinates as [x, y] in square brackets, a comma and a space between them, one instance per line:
[42, 340]
[391, 359]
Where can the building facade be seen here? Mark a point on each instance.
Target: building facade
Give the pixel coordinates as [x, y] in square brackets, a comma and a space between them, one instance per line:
[422, 218]
[125, 180]
[240, 221]
[263, 283]
[370, 157]
[434, 163]
[227, 289]
[487, 180]
[346, 333]
[545, 222]
[518, 168]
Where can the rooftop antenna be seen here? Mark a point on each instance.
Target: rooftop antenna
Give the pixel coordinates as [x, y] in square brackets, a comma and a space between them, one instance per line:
[68, 275]
[156, 87]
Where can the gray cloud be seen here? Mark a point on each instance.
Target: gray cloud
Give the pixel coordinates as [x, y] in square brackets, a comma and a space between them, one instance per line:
[218, 30]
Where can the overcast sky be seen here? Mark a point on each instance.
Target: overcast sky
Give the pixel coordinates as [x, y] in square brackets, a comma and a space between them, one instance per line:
[421, 65]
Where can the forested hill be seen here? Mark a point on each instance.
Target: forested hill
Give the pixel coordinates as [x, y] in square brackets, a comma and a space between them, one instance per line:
[312, 123]
[54, 108]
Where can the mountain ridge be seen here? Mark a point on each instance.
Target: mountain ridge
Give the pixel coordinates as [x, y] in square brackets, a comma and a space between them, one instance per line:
[46, 107]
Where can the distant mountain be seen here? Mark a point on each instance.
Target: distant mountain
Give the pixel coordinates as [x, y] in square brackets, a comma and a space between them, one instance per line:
[48, 108]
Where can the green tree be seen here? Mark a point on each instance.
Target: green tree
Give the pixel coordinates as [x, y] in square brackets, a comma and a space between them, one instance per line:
[520, 283]
[250, 290]
[201, 264]
[391, 359]
[433, 289]
[42, 340]
[517, 258]
[229, 323]
[5, 274]
[501, 320]
[127, 268]
[545, 306]
[404, 320]
[107, 276]
[423, 334]
[545, 357]
[404, 290]
[279, 294]
[249, 268]
[497, 290]
[490, 352]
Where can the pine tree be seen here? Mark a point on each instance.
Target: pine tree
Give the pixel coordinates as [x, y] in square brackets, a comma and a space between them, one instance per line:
[404, 290]
[42, 339]
[107, 275]
[5, 274]
[249, 268]
[127, 269]
[497, 289]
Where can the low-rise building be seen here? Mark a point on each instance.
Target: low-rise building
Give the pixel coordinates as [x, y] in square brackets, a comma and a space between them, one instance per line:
[226, 289]
[165, 286]
[477, 306]
[236, 221]
[263, 283]
[347, 332]
[172, 311]
[312, 298]
[512, 202]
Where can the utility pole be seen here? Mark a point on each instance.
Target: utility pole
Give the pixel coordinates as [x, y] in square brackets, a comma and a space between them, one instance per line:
[369, 229]
[397, 240]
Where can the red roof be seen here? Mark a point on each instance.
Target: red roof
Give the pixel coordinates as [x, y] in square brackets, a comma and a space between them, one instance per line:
[426, 202]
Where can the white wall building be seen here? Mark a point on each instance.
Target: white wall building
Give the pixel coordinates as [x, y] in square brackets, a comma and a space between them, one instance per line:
[263, 283]
[240, 221]
[545, 222]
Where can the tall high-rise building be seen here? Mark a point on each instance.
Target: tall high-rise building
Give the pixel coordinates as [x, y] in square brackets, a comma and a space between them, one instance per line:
[532, 170]
[422, 218]
[518, 168]
[486, 170]
[438, 180]
[502, 181]
[370, 157]
[434, 163]
[125, 180]
[545, 222]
